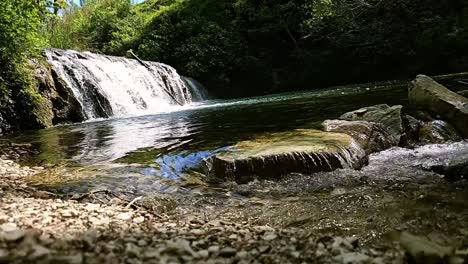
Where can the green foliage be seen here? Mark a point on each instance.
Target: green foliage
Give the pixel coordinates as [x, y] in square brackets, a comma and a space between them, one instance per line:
[20, 22]
[99, 25]
[247, 47]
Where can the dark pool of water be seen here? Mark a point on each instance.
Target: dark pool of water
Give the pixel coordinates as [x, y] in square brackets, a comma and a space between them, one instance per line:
[138, 150]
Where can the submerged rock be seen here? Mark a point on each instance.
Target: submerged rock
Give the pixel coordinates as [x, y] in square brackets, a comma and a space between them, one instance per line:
[422, 250]
[371, 136]
[427, 94]
[278, 154]
[419, 163]
[453, 170]
[463, 93]
[388, 116]
[437, 132]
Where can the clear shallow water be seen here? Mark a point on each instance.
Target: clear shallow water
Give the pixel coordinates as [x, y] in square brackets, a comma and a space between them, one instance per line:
[150, 152]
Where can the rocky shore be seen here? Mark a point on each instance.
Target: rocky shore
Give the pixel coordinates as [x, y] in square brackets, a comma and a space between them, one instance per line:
[406, 205]
[37, 228]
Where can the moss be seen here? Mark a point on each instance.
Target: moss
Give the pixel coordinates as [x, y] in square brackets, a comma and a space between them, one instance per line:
[40, 107]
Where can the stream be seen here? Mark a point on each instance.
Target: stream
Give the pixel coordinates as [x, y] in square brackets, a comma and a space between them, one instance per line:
[158, 152]
[157, 156]
[138, 143]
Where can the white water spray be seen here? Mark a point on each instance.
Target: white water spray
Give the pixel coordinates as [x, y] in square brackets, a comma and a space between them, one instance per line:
[108, 86]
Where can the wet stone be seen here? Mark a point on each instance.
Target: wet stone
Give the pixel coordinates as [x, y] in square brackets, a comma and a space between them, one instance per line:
[227, 252]
[274, 155]
[12, 236]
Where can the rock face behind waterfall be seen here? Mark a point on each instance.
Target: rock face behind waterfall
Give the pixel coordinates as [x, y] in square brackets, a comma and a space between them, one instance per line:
[108, 86]
[57, 103]
[427, 94]
[278, 154]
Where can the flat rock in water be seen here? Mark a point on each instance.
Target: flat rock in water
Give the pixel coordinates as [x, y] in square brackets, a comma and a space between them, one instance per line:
[427, 94]
[371, 136]
[277, 154]
[388, 116]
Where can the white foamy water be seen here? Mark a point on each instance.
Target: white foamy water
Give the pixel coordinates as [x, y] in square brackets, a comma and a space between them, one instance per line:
[107, 86]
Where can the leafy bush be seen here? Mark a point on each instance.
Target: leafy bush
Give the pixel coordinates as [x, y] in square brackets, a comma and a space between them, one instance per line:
[20, 22]
[247, 47]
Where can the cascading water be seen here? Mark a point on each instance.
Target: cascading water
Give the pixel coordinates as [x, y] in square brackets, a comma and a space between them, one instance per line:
[197, 90]
[108, 86]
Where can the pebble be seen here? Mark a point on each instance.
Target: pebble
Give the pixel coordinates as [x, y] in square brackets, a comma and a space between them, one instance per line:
[125, 216]
[74, 259]
[92, 207]
[142, 243]
[213, 249]
[7, 227]
[12, 236]
[203, 253]
[151, 253]
[227, 252]
[3, 255]
[38, 251]
[242, 254]
[270, 237]
[352, 258]
[132, 250]
[139, 220]
[197, 232]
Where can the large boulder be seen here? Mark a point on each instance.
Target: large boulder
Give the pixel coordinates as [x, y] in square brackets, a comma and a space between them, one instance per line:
[372, 137]
[437, 132]
[274, 155]
[427, 94]
[388, 116]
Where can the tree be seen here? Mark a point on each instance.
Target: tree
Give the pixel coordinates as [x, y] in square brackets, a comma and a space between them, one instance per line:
[19, 24]
[57, 5]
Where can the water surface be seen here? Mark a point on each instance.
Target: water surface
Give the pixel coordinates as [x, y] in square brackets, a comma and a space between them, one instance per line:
[149, 152]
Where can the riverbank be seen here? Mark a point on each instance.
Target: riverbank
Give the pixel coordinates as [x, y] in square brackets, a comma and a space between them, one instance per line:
[340, 221]
[48, 230]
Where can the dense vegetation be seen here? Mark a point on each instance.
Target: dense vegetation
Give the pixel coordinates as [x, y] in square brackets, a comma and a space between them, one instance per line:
[19, 39]
[235, 47]
[245, 47]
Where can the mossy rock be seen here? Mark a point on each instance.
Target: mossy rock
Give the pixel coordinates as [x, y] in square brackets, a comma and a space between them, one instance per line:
[372, 137]
[278, 154]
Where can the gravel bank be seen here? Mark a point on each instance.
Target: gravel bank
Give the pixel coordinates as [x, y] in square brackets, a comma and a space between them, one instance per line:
[38, 228]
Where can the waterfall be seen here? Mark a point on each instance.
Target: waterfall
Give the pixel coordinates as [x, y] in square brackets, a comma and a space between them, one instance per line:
[197, 90]
[108, 86]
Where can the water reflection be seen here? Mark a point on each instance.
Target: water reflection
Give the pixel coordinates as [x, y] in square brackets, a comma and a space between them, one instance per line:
[172, 167]
[103, 142]
[165, 146]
